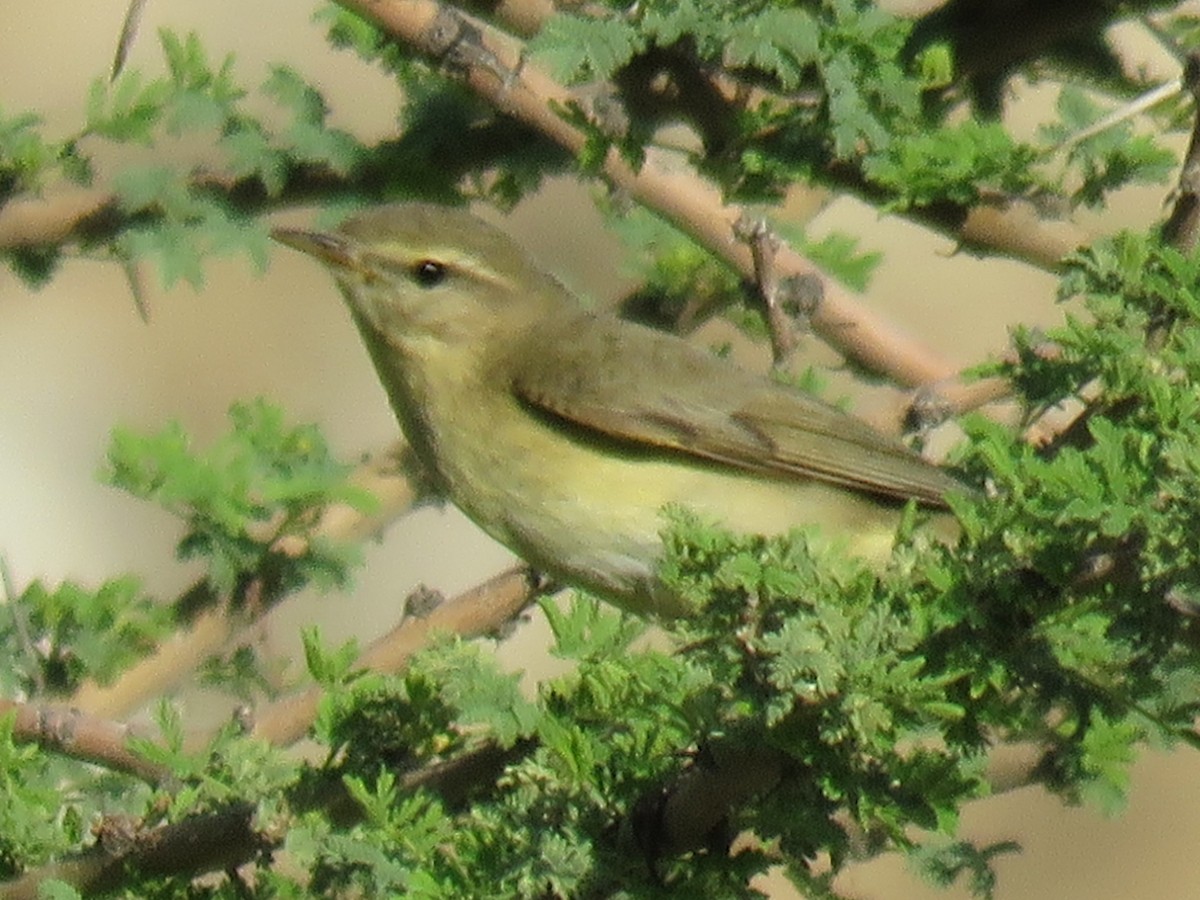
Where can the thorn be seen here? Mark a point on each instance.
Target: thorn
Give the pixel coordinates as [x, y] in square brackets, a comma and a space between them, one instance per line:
[129, 30]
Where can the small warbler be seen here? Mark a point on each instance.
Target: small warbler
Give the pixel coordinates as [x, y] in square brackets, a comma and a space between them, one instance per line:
[564, 431]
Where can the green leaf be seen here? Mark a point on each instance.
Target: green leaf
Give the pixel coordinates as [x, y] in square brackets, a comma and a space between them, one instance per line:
[935, 63]
[944, 864]
[52, 889]
[952, 163]
[1108, 753]
[249, 153]
[186, 59]
[291, 91]
[194, 110]
[470, 683]
[578, 48]
[34, 265]
[314, 143]
[589, 628]
[853, 124]
[156, 187]
[81, 633]
[782, 42]
[126, 111]
[24, 155]
[328, 668]
[838, 255]
[261, 482]
[173, 248]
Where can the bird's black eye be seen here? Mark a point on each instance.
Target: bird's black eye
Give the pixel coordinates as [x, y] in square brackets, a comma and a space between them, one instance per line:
[427, 273]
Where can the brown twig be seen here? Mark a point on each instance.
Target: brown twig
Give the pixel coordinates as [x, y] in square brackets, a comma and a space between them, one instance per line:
[81, 736]
[231, 837]
[1010, 226]
[764, 244]
[710, 98]
[932, 404]
[482, 609]
[37, 221]
[94, 214]
[1180, 229]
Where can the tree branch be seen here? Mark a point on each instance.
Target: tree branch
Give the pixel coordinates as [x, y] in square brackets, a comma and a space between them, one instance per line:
[80, 736]
[231, 837]
[479, 610]
[711, 98]
[1180, 229]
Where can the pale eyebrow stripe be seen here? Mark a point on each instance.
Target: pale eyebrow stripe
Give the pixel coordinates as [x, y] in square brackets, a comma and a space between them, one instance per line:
[453, 258]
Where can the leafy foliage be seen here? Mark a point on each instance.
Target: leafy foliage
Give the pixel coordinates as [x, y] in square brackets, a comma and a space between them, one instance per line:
[805, 681]
[70, 632]
[35, 823]
[259, 485]
[1112, 157]
[172, 217]
[943, 865]
[954, 163]
[186, 223]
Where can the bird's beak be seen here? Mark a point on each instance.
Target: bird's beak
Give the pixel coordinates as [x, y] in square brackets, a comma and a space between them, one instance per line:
[329, 248]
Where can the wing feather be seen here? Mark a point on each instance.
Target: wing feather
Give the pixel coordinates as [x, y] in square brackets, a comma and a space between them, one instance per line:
[645, 387]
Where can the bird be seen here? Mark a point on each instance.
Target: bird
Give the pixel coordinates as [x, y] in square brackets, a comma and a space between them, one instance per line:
[565, 431]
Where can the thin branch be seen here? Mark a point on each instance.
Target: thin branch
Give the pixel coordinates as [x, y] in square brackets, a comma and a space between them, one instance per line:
[480, 610]
[38, 221]
[1123, 113]
[95, 215]
[81, 736]
[1009, 226]
[710, 98]
[1181, 228]
[932, 404]
[764, 244]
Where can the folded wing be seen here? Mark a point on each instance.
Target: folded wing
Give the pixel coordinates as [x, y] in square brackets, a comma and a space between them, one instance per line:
[637, 385]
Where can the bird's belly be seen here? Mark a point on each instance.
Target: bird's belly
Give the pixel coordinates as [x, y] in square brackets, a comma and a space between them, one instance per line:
[596, 518]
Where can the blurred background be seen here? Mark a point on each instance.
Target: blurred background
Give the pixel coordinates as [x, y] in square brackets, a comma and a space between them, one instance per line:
[76, 359]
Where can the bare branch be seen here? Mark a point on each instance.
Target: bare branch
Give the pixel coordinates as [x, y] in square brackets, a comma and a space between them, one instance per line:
[81, 736]
[482, 609]
[764, 244]
[1180, 229]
